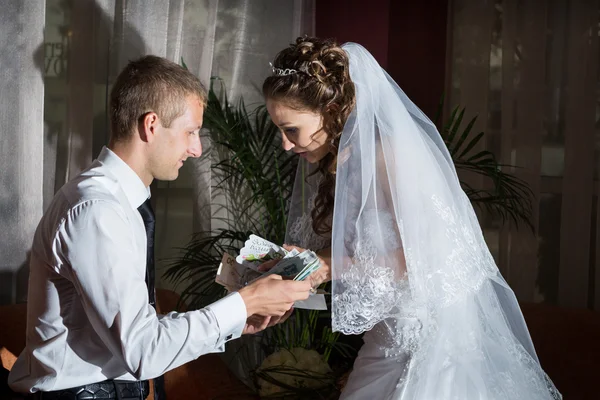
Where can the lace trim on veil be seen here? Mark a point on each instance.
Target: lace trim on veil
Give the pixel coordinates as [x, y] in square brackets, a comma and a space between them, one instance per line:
[371, 291]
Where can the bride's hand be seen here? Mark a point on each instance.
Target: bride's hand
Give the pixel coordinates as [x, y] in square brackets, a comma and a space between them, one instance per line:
[257, 323]
[323, 274]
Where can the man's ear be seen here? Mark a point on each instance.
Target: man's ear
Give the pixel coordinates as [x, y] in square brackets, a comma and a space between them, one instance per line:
[147, 126]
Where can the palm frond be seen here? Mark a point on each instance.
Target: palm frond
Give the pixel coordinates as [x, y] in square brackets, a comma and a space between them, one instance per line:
[509, 196]
[197, 265]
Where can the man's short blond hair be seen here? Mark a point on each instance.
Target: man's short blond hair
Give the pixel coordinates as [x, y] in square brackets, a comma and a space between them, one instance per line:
[150, 84]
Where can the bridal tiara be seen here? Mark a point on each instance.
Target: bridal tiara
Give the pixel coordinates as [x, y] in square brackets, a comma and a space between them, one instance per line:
[281, 71]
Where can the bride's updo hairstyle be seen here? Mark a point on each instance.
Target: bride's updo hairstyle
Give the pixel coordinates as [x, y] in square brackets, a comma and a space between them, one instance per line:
[313, 75]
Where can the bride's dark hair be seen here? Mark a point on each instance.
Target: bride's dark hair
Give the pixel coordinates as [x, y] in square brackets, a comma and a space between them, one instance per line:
[321, 85]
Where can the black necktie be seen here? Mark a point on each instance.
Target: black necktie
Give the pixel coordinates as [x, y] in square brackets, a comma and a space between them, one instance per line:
[149, 221]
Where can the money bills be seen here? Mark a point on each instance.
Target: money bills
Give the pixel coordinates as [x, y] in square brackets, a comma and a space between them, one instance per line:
[235, 273]
[257, 249]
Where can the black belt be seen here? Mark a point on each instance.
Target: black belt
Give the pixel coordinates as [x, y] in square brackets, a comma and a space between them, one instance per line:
[111, 389]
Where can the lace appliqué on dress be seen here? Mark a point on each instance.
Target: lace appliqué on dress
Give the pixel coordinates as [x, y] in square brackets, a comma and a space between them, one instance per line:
[302, 234]
[397, 336]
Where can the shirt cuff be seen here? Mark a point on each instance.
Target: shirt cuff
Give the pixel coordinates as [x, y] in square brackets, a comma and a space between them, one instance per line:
[230, 313]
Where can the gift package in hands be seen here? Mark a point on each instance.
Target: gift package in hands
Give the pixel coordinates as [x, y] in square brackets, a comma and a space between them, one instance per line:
[235, 273]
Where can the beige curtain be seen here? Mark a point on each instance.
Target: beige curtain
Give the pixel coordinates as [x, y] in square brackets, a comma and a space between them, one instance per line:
[58, 62]
[21, 137]
[530, 71]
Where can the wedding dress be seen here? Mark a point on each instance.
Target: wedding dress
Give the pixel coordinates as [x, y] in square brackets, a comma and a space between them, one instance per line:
[409, 263]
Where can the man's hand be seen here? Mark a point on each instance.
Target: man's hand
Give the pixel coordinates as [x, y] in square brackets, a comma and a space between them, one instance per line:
[323, 274]
[256, 323]
[272, 296]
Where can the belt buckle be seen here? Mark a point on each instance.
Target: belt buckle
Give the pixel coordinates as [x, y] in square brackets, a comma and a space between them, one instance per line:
[120, 385]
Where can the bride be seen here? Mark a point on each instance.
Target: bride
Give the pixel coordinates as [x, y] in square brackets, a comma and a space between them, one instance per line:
[378, 196]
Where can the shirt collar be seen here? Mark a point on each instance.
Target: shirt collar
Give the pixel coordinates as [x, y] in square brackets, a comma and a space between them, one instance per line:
[129, 181]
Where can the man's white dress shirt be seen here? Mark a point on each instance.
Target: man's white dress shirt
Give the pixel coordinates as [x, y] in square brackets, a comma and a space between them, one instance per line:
[88, 314]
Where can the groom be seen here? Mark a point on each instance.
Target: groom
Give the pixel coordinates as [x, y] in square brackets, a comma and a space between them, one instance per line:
[91, 323]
